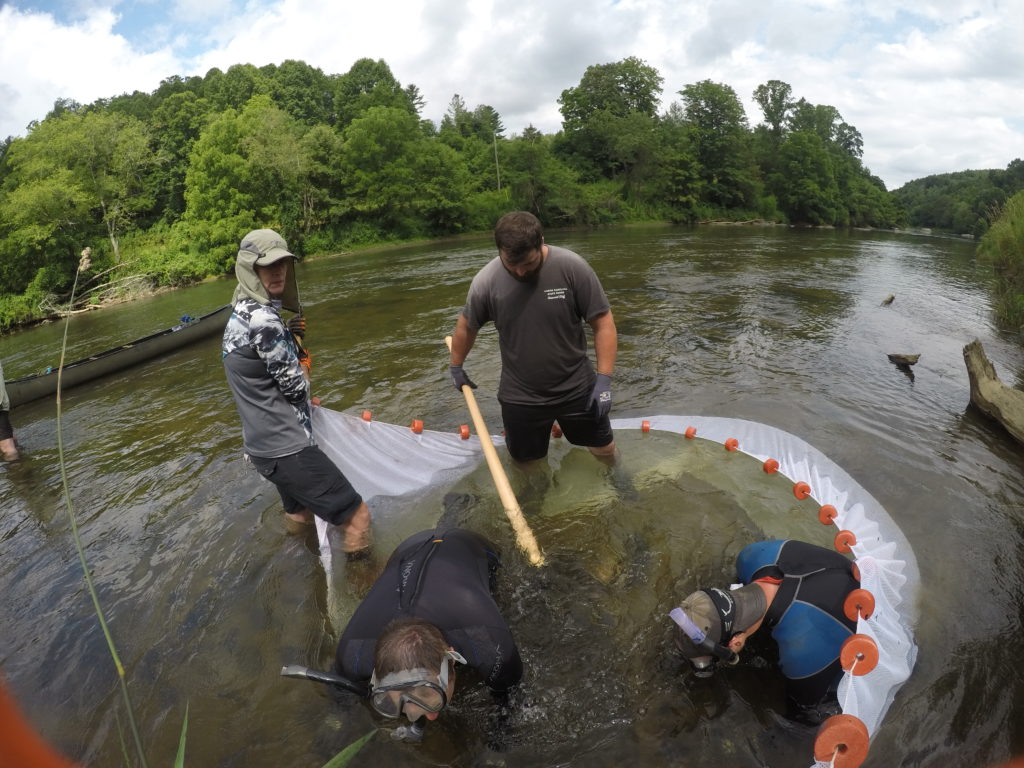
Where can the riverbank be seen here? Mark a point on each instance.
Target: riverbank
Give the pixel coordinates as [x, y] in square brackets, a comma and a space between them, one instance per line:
[380, 246]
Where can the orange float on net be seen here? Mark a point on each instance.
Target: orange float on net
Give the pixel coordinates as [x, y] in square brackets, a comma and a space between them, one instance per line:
[858, 655]
[771, 466]
[844, 540]
[859, 604]
[416, 426]
[732, 444]
[842, 741]
[556, 431]
[645, 426]
[464, 431]
[827, 514]
[690, 433]
[801, 490]
[367, 416]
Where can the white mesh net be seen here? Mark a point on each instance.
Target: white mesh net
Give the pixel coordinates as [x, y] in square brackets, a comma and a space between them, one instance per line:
[387, 460]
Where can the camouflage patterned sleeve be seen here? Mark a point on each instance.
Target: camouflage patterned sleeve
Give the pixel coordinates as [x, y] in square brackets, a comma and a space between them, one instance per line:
[277, 348]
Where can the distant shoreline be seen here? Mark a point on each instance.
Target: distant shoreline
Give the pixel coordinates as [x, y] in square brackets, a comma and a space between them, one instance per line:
[393, 244]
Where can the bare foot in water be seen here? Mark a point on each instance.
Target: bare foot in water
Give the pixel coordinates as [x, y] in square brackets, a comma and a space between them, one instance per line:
[9, 449]
[357, 531]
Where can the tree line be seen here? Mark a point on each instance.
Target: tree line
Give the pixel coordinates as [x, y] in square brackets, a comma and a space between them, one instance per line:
[162, 184]
[966, 202]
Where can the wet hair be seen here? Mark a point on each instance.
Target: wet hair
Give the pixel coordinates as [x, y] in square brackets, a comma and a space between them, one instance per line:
[517, 234]
[407, 644]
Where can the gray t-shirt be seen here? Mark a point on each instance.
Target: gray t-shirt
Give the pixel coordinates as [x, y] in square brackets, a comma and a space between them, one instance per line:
[540, 326]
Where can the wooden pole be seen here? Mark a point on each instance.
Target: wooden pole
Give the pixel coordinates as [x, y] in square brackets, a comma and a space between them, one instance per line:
[524, 536]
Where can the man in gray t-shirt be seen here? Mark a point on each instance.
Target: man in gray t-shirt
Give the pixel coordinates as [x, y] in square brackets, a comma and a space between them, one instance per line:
[539, 296]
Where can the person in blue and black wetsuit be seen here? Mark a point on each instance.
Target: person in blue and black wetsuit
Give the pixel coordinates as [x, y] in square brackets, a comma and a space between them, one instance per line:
[794, 589]
[429, 610]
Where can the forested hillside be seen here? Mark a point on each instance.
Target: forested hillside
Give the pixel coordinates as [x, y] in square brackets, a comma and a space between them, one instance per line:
[162, 185]
[964, 203]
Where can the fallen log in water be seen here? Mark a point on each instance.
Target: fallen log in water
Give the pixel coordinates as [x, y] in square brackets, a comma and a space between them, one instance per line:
[1004, 404]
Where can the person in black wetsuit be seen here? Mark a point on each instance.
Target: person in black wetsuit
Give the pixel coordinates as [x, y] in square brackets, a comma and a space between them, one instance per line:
[796, 590]
[430, 609]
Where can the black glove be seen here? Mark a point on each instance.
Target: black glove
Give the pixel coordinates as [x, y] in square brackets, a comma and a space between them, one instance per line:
[459, 378]
[601, 397]
[297, 325]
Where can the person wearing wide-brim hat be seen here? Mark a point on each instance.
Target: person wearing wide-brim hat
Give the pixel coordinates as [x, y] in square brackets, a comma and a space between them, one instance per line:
[268, 372]
[794, 589]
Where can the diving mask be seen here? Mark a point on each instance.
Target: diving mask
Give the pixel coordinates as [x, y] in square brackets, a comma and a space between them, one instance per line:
[416, 686]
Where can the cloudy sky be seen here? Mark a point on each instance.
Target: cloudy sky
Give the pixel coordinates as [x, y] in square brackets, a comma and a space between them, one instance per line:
[932, 85]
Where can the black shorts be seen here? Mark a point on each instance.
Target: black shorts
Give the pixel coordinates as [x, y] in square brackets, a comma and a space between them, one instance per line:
[310, 480]
[6, 430]
[528, 427]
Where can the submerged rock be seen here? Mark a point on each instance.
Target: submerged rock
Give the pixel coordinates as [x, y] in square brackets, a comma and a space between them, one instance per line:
[1004, 404]
[904, 359]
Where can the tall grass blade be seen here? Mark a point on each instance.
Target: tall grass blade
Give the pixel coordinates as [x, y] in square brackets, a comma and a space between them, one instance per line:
[123, 743]
[179, 761]
[342, 759]
[78, 539]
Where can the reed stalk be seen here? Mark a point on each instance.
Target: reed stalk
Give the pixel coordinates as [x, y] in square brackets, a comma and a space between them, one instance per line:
[78, 539]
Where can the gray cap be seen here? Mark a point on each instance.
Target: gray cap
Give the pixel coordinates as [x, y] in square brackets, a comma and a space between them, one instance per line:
[746, 606]
[267, 245]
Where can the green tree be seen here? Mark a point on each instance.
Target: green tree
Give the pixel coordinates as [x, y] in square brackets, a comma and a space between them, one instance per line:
[234, 88]
[397, 179]
[721, 143]
[1002, 246]
[247, 169]
[177, 124]
[807, 191]
[304, 92]
[593, 113]
[368, 84]
[73, 177]
[618, 88]
[775, 100]
[44, 217]
[539, 181]
[323, 200]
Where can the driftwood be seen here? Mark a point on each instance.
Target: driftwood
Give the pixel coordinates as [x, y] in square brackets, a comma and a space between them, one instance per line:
[1004, 404]
[888, 300]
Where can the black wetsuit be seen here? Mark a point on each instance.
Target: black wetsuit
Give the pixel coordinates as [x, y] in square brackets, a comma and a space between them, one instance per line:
[806, 617]
[442, 577]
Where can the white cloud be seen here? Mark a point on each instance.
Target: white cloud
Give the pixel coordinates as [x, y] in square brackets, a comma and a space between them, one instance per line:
[42, 61]
[934, 86]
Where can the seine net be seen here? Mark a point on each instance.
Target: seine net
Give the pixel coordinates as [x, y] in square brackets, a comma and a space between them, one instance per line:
[387, 460]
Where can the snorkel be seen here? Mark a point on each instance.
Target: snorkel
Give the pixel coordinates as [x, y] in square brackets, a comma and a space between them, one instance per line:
[319, 676]
[717, 651]
[412, 733]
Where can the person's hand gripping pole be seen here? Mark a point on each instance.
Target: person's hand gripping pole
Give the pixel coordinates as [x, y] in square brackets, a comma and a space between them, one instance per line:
[524, 536]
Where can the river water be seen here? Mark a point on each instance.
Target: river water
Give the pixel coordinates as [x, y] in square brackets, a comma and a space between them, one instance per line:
[208, 597]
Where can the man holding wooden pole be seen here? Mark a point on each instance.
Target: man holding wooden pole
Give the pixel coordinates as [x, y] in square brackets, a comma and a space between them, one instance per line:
[539, 297]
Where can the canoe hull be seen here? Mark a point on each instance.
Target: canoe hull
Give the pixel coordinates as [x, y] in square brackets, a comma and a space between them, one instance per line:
[29, 388]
